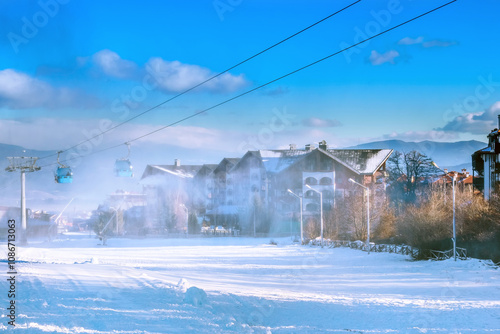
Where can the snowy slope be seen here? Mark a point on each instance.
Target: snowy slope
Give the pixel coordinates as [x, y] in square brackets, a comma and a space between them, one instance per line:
[245, 285]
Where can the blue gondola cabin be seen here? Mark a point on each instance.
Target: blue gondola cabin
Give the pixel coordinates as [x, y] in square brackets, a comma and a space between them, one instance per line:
[123, 168]
[64, 175]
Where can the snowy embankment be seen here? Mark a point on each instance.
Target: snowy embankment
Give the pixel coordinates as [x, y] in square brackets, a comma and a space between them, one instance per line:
[244, 285]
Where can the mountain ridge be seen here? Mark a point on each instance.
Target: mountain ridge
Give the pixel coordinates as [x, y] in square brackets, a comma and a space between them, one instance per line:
[445, 154]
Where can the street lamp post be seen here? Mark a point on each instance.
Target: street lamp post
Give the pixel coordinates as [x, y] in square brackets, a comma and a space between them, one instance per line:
[453, 181]
[301, 226]
[367, 212]
[320, 209]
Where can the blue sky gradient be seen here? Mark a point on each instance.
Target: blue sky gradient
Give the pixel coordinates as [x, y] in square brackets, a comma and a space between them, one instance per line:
[436, 78]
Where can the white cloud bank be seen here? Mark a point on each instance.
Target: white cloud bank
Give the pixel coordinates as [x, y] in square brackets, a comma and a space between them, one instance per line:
[111, 64]
[21, 91]
[170, 76]
[480, 123]
[60, 134]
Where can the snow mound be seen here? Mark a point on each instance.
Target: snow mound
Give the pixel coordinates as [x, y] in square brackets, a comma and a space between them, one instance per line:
[94, 260]
[183, 285]
[195, 296]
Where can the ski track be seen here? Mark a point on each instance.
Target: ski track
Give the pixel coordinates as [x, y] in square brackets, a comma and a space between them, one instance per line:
[72, 286]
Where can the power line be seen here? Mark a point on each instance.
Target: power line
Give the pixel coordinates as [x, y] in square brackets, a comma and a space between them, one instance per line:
[269, 82]
[209, 79]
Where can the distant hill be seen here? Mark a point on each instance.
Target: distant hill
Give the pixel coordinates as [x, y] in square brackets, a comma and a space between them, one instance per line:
[454, 156]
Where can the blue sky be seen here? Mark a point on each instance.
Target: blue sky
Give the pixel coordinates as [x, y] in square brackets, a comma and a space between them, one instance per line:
[70, 68]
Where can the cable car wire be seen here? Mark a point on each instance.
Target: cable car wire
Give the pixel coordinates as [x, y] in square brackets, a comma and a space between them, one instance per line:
[209, 79]
[269, 82]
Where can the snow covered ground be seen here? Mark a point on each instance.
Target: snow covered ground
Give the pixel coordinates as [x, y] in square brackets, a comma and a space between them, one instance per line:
[244, 285]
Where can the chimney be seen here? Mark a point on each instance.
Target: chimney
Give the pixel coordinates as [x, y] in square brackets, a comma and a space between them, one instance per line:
[323, 145]
[293, 147]
[464, 170]
[309, 147]
[445, 171]
[177, 163]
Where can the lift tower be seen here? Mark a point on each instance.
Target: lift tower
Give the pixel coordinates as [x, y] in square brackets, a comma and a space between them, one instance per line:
[24, 165]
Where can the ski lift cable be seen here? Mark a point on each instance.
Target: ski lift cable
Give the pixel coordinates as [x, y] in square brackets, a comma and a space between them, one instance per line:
[209, 79]
[268, 83]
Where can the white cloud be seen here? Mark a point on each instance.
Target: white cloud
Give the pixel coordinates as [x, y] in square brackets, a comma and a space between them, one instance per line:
[411, 41]
[426, 44]
[320, 123]
[111, 64]
[475, 123]
[168, 76]
[174, 76]
[438, 43]
[21, 91]
[386, 57]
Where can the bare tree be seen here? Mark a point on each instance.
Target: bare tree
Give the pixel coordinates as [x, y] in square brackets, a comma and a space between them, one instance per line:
[407, 171]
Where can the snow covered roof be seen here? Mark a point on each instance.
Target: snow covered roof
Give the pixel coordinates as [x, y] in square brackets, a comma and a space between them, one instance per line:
[205, 170]
[275, 161]
[485, 150]
[231, 161]
[363, 161]
[360, 161]
[183, 171]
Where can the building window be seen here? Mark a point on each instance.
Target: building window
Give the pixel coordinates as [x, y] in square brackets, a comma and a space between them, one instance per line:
[312, 207]
[325, 181]
[311, 181]
[310, 194]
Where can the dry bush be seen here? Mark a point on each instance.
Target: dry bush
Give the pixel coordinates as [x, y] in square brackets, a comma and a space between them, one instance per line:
[427, 224]
[474, 217]
[386, 228]
[312, 228]
[332, 224]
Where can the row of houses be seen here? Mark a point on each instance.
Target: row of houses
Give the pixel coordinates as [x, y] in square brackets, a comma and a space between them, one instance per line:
[237, 191]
